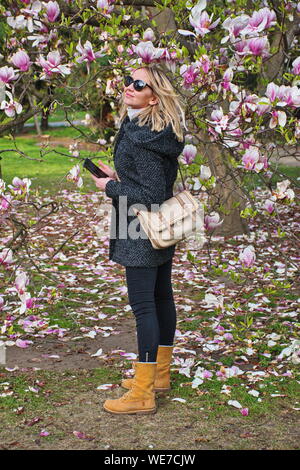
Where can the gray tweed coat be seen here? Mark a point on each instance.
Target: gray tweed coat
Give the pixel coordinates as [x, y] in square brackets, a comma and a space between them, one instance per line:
[146, 164]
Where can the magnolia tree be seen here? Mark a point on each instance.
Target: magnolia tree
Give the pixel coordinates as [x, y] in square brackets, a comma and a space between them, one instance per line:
[234, 63]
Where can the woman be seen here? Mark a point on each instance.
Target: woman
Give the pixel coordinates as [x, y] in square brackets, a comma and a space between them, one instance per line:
[146, 150]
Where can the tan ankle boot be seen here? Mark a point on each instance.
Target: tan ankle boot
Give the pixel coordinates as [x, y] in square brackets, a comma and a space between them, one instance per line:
[141, 398]
[162, 377]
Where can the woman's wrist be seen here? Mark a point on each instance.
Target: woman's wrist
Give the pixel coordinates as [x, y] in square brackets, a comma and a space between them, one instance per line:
[109, 179]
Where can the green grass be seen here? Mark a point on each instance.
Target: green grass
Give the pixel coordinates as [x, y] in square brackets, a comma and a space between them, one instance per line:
[75, 381]
[59, 115]
[283, 171]
[72, 382]
[213, 400]
[50, 173]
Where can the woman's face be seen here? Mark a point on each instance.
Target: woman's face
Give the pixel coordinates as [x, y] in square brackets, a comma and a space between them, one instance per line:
[139, 99]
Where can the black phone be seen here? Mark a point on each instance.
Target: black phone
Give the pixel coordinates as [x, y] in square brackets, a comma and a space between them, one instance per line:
[94, 169]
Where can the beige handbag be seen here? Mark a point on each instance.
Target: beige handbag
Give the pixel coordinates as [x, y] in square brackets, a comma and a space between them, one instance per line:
[176, 219]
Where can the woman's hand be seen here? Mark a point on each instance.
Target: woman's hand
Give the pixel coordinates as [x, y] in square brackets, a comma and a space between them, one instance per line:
[101, 182]
[107, 169]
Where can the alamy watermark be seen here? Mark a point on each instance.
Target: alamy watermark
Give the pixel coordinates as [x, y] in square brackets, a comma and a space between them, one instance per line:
[123, 223]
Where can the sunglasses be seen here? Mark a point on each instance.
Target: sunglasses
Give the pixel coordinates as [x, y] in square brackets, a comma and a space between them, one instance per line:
[138, 85]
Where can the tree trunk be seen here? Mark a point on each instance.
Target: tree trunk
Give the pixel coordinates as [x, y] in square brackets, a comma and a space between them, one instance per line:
[226, 192]
[45, 117]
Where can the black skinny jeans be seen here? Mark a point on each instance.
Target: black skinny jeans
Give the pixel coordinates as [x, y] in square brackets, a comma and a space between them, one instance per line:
[151, 298]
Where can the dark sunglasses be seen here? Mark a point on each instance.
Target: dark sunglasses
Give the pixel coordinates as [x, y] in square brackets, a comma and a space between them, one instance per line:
[138, 85]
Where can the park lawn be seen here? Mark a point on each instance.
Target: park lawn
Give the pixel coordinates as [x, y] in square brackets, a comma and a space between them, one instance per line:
[68, 406]
[59, 115]
[47, 168]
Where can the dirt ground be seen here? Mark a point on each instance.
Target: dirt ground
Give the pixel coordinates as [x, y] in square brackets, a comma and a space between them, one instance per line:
[73, 353]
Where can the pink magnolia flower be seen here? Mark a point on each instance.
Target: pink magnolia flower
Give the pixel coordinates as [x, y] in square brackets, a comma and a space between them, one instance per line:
[205, 172]
[219, 120]
[201, 22]
[52, 65]
[244, 105]
[39, 40]
[250, 158]
[234, 27]
[5, 203]
[11, 107]
[278, 117]
[269, 206]
[253, 160]
[259, 46]
[52, 11]
[283, 191]
[185, 365]
[26, 301]
[23, 343]
[74, 175]
[147, 52]
[241, 47]
[207, 374]
[244, 411]
[296, 66]
[291, 96]
[226, 82]
[21, 60]
[287, 95]
[7, 74]
[170, 59]
[228, 336]
[204, 62]
[212, 221]
[86, 53]
[148, 35]
[219, 328]
[20, 187]
[227, 77]
[188, 154]
[21, 282]
[263, 106]
[6, 256]
[106, 5]
[248, 142]
[189, 74]
[26, 18]
[260, 20]
[247, 256]
[272, 91]
[30, 302]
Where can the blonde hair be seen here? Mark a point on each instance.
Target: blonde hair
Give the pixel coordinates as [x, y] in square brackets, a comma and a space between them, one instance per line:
[168, 110]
